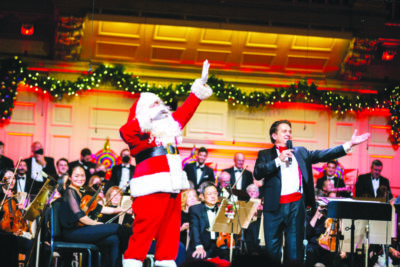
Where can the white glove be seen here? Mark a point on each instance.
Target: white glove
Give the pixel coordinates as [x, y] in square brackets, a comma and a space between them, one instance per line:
[204, 74]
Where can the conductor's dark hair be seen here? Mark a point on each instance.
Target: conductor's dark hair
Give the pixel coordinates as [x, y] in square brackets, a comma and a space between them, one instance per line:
[274, 128]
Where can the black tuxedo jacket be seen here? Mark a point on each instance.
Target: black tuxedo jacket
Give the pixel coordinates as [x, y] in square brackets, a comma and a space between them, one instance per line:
[336, 182]
[49, 169]
[364, 187]
[6, 163]
[266, 168]
[191, 171]
[116, 174]
[199, 228]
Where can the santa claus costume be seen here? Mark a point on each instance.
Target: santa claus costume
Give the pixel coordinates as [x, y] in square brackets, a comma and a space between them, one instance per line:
[152, 133]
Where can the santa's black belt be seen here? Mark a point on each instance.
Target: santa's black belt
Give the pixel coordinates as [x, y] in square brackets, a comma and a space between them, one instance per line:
[156, 151]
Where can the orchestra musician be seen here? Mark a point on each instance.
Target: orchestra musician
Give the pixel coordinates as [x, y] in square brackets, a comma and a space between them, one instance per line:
[189, 198]
[15, 234]
[105, 236]
[203, 242]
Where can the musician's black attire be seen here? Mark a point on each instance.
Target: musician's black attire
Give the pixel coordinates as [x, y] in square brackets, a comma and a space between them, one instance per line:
[105, 236]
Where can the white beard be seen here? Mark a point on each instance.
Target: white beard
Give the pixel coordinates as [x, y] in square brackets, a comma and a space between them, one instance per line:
[166, 131]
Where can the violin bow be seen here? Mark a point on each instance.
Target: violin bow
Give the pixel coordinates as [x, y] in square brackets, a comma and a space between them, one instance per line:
[116, 216]
[121, 189]
[9, 185]
[240, 177]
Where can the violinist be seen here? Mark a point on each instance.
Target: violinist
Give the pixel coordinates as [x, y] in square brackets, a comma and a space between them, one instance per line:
[251, 234]
[113, 199]
[105, 236]
[15, 235]
[94, 184]
[189, 198]
[202, 242]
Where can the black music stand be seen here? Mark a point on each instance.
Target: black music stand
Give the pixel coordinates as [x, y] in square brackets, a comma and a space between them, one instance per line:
[358, 210]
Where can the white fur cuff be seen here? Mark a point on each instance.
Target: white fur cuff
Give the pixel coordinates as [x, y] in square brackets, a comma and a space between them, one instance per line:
[168, 263]
[202, 91]
[131, 263]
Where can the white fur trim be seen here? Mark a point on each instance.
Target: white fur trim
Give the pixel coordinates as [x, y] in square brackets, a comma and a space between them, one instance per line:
[142, 110]
[144, 123]
[131, 263]
[169, 263]
[202, 91]
[169, 182]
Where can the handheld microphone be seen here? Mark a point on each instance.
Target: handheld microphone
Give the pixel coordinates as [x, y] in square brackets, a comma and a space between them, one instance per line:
[289, 145]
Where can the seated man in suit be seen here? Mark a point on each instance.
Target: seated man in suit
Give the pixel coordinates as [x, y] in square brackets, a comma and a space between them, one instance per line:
[197, 172]
[236, 173]
[36, 164]
[5, 163]
[201, 217]
[368, 184]
[330, 174]
[21, 178]
[121, 174]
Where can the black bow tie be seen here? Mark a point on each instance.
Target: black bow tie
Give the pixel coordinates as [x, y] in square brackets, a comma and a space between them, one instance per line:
[200, 167]
[125, 167]
[238, 170]
[376, 179]
[213, 209]
[20, 177]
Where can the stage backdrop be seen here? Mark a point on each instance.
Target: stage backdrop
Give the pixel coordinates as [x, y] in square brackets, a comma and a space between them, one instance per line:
[65, 127]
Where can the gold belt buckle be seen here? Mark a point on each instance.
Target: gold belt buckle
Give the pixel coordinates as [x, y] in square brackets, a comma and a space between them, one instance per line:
[175, 152]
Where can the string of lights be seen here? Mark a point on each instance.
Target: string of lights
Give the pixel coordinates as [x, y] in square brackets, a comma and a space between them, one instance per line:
[14, 72]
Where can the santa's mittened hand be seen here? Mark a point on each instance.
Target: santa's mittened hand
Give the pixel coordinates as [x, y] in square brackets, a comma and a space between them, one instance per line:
[204, 74]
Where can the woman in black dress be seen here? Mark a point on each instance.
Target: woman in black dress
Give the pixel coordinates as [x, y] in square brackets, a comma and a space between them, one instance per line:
[105, 236]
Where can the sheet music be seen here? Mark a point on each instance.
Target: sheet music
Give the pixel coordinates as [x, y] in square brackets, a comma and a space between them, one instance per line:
[126, 202]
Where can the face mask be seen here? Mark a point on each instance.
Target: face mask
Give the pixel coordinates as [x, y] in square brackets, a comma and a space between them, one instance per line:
[100, 174]
[39, 151]
[126, 159]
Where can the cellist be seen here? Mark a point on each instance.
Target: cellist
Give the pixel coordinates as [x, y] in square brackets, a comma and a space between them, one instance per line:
[15, 236]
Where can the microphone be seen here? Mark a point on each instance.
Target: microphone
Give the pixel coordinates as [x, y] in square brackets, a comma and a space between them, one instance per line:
[289, 145]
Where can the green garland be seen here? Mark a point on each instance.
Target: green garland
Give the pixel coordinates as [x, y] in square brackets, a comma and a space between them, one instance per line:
[13, 71]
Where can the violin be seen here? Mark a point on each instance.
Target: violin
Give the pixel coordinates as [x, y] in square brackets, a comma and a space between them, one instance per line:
[89, 203]
[328, 239]
[13, 220]
[225, 239]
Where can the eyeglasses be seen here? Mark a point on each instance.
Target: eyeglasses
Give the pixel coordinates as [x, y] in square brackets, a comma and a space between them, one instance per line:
[211, 193]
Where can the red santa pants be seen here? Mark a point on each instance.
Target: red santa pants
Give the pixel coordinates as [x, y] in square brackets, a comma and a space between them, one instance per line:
[156, 216]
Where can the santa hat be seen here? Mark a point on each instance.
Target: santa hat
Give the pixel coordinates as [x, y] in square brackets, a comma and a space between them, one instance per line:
[139, 110]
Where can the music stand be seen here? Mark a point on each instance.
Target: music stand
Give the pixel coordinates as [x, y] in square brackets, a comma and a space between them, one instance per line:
[242, 217]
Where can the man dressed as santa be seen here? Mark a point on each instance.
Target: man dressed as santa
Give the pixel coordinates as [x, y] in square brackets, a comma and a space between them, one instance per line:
[152, 133]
